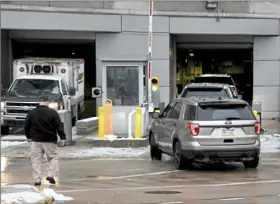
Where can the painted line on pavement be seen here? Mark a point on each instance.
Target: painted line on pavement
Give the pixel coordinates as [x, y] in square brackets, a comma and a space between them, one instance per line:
[229, 199]
[175, 202]
[121, 177]
[171, 187]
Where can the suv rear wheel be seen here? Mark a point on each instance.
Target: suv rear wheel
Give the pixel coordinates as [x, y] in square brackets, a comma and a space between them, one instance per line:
[156, 153]
[180, 161]
[252, 164]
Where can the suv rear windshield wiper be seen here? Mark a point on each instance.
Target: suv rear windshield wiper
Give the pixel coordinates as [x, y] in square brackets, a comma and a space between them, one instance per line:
[233, 118]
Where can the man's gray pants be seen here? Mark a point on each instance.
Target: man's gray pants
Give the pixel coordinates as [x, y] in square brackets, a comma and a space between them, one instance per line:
[37, 152]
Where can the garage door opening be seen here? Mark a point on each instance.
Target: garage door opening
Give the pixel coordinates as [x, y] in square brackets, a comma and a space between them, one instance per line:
[53, 49]
[235, 62]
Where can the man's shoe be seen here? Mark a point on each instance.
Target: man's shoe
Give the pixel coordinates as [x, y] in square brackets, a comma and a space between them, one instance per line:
[37, 183]
[51, 180]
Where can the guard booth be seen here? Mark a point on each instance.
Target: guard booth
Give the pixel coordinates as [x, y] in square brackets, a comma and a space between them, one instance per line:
[124, 83]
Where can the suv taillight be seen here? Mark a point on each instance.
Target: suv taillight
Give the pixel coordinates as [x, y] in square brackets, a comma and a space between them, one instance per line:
[194, 128]
[233, 89]
[257, 128]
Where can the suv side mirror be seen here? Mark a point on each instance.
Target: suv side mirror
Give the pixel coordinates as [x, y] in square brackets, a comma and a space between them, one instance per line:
[156, 115]
[72, 91]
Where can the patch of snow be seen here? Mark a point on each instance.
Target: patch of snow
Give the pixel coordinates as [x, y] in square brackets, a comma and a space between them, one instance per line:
[21, 197]
[111, 152]
[6, 144]
[14, 138]
[270, 144]
[276, 135]
[18, 194]
[111, 137]
[54, 195]
[89, 119]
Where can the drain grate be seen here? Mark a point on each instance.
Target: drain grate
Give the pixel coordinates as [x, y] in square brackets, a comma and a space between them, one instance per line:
[163, 192]
[91, 176]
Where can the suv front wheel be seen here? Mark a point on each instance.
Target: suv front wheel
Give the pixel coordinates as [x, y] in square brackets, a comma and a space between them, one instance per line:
[252, 164]
[156, 153]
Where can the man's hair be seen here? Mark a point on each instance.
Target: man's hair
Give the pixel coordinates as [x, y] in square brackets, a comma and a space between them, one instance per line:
[43, 98]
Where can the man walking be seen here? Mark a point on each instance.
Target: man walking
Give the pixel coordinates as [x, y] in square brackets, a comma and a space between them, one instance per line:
[42, 125]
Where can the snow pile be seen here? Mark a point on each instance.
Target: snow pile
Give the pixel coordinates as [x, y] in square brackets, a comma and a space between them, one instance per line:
[6, 144]
[110, 152]
[27, 194]
[111, 137]
[270, 144]
[59, 197]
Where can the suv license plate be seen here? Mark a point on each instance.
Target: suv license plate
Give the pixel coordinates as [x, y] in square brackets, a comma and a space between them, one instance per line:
[228, 132]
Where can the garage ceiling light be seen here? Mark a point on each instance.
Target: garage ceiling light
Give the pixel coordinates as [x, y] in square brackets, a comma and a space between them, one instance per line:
[211, 4]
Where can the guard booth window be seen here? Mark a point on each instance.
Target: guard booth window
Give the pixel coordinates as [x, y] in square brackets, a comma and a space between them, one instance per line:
[123, 85]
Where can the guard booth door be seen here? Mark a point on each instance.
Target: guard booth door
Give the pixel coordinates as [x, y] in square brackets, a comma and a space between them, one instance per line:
[123, 84]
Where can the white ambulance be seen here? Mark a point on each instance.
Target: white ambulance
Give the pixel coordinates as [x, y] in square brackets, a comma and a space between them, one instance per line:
[62, 80]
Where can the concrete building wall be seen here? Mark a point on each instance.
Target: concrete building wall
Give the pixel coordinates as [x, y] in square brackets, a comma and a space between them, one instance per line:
[267, 74]
[265, 7]
[121, 36]
[133, 47]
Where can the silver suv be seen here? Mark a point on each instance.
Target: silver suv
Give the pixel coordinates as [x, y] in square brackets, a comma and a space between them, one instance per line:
[206, 130]
[207, 90]
[217, 78]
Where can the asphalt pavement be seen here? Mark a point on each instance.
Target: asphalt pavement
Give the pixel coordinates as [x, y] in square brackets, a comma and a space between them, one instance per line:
[142, 181]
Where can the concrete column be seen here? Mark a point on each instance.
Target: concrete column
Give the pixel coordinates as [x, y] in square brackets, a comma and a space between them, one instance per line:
[267, 75]
[6, 64]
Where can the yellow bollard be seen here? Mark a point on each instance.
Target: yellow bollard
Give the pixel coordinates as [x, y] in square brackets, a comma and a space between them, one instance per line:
[138, 122]
[101, 123]
[108, 117]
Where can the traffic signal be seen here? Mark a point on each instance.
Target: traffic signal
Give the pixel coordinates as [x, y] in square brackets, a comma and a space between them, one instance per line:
[155, 83]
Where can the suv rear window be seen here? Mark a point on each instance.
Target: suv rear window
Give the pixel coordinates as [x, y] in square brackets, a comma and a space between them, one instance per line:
[206, 92]
[224, 112]
[220, 80]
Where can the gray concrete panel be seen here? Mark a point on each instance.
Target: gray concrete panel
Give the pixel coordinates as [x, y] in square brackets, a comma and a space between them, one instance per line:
[165, 94]
[266, 48]
[266, 73]
[131, 46]
[228, 26]
[267, 7]
[160, 68]
[270, 98]
[183, 38]
[57, 35]
[60, 21]
[132, 23]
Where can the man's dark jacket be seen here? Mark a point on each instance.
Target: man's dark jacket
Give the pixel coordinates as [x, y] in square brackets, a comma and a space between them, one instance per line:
[42, 124]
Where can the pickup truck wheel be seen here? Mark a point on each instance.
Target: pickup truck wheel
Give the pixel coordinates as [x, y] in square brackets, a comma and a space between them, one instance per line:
[74, 121]
[79, 113]
[252, 164]
[5, 130]
[156, 153]
[180, 161]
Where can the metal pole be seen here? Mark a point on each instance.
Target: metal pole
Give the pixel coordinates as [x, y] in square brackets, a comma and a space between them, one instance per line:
[150, 38]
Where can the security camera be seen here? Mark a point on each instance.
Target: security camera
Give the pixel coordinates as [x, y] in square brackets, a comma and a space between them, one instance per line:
[96, 92]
